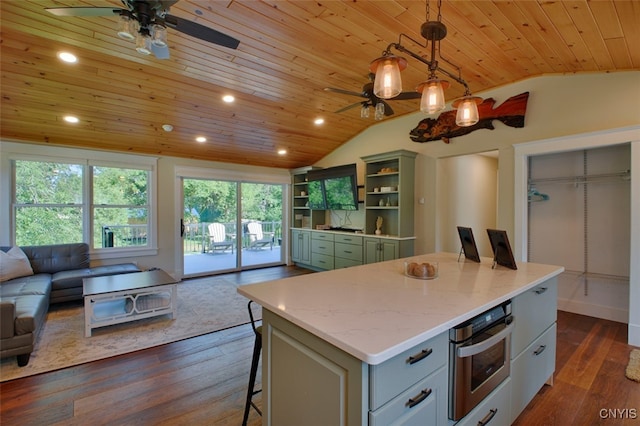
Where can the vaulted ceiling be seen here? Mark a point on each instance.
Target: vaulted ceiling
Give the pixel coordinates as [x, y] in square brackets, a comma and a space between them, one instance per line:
[289, 52]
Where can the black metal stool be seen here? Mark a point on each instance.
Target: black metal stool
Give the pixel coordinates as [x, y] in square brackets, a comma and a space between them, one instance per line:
[257, 347]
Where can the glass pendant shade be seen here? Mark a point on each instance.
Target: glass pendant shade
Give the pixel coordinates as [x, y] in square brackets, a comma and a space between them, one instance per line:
[388, 82]
[432, 99]
[159, 36]
[364, 112]
[379, 115]
[126, 27]
[467, 114]
[143, 44]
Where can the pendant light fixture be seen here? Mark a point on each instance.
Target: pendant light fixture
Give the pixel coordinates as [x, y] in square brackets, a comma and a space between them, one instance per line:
[388, 82]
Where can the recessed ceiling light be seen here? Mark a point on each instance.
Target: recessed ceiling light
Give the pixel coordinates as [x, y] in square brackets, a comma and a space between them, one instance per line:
[201, 139]
[228, 98]
[167, 127]
[71, 119]
[67, 57]
[282, 151]
[318, 121]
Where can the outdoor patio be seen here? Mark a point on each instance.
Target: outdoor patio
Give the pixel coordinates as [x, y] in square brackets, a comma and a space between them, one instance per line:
[199, 263]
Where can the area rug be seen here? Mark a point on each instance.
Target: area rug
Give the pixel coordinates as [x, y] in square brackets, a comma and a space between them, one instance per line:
[205, 305]
[633, 369]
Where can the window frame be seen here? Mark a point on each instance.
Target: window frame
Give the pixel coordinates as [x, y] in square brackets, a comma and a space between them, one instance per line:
[12, 152]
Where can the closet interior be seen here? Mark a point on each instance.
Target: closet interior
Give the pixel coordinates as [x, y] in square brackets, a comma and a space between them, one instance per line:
[579, 217]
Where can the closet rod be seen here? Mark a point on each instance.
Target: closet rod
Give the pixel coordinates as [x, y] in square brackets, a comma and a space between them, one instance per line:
[582, 179]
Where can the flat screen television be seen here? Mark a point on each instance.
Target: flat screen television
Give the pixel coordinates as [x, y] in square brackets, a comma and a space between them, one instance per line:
[502, 254]
[334, 188]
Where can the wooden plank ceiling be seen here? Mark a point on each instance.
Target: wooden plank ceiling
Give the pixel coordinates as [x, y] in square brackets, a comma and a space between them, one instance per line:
[289, 52]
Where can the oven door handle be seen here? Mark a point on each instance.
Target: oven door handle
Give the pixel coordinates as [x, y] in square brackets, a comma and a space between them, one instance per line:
[467, 351]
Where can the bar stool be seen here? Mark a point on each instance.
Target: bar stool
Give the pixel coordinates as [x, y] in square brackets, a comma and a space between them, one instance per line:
[257, 347]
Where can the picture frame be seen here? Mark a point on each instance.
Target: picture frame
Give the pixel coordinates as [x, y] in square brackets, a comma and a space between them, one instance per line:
[502, 254]
[469, 247]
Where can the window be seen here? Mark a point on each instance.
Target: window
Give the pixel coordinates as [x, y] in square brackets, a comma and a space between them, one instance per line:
[48, 203]
[56, 202]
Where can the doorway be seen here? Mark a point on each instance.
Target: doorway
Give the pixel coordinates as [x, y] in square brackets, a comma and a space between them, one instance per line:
[230, 225]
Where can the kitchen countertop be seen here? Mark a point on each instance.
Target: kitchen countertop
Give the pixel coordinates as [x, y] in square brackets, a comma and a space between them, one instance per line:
[361, 234]
[374, 312]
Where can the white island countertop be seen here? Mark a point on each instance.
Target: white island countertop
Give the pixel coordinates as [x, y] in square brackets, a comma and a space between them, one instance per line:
[374, 312]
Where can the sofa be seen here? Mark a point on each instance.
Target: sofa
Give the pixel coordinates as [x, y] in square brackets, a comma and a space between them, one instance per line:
[49, 274]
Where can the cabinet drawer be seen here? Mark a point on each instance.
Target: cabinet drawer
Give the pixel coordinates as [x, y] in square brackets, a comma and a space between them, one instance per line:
[493, 410]
[326, 236]
[531, 369]
[322, 247]
[321, 261]
[534, 311]
[348, 239]
[392, 377]
[348, 251]
[432, 410]
[340, 263]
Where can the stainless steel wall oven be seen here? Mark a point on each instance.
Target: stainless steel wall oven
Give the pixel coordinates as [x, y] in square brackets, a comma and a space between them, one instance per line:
[479, 358]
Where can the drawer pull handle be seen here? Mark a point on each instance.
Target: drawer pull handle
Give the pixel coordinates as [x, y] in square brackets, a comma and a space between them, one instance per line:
[540, 290]
[424, 394]
[488, 417]
[348, 252]
[422, 355]
[540, 350]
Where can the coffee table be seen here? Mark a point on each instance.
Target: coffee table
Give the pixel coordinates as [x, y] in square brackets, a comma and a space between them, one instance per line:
[116, 299]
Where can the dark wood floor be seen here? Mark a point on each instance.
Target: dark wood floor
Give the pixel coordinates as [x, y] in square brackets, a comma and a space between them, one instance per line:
[203, 380]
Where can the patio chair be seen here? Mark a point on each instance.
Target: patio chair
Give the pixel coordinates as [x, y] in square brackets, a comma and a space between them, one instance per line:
[218, 238]
[258, 238]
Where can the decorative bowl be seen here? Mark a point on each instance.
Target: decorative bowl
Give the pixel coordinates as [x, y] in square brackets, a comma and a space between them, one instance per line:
[421, 271]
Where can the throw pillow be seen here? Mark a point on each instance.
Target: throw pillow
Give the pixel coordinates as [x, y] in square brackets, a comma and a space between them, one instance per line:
[14, 264]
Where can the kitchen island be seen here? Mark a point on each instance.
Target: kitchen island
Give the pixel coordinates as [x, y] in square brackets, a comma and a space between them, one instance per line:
[331, 339]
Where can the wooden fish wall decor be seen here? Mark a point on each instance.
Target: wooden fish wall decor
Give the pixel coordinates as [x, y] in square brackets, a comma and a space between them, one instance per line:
[511, 113]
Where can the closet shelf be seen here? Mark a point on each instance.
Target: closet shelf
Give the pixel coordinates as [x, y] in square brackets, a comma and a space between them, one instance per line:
[583, 179]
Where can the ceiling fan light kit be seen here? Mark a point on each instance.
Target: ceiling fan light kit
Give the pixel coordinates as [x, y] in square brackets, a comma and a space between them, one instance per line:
[146, 22]
[388, 83]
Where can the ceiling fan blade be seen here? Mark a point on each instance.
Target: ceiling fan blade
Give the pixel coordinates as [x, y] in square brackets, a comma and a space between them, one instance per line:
[200, 31]
[344, 92]
[84, 11]
[348, 107]
[408, 95]
[160, 52]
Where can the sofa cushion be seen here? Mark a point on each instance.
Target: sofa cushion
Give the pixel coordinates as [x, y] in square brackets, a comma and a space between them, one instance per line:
[69, 279]
[30, 312]
[58, 257]
[39, 284]
[14, 264]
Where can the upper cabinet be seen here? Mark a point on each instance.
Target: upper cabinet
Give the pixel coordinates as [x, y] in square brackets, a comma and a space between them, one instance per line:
[389, 188]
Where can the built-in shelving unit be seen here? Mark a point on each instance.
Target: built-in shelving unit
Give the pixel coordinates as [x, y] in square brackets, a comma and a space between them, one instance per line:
[303, 216]
[389, 187]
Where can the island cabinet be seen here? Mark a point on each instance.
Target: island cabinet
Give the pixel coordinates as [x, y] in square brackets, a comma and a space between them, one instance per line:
[301, 246]
[311, 382]
[533, 343]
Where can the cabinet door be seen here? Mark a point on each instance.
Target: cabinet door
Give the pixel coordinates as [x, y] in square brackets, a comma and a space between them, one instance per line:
[307, 381]
[389, 250]
[300, 246]
[371, 250]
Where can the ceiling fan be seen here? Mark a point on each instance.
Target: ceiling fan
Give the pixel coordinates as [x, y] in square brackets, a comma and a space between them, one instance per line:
[380, 105]
[150, 18]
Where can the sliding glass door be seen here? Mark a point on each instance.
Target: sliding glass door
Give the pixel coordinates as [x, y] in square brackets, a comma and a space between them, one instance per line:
[228, 225]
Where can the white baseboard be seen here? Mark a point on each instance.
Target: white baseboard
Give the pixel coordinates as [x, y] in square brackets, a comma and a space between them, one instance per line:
[634, 335]
[597, 311]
